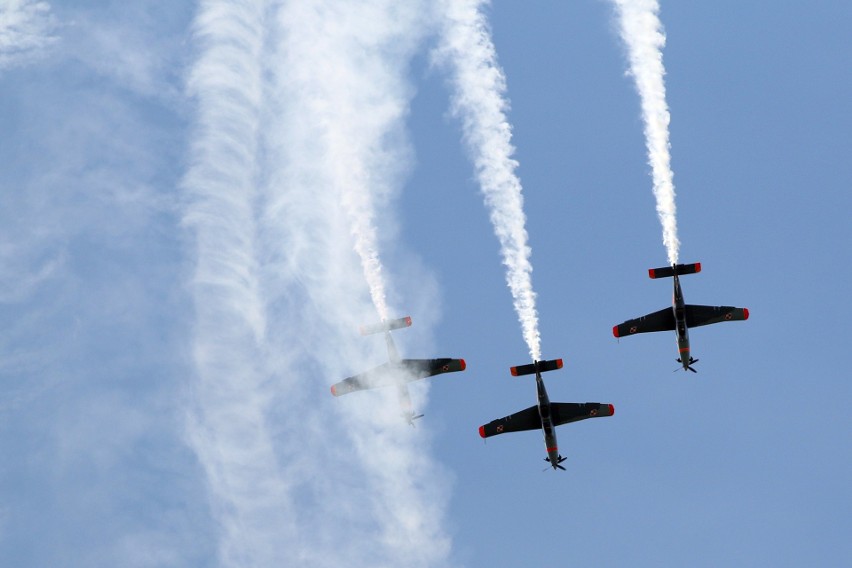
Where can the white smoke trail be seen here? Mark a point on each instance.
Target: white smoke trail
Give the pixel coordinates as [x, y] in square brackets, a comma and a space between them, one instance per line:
[643, 33]
[336, 152]
[291, 161]
[228, 427]
[479, 99]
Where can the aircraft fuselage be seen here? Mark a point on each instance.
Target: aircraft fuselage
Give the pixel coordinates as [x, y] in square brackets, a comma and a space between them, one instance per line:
[679, 307]
[547, 422]
[405, 407]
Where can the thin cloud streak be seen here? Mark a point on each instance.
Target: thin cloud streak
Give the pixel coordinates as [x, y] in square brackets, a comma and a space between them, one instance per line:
[479, 99]
[642, 32]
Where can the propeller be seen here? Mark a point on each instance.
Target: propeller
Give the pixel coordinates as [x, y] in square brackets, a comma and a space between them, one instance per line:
[691, 362]
[555, 465]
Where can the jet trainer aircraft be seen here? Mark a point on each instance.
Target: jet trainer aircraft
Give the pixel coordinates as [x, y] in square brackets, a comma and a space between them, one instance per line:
[397, 372]
[545, 415]
[680, 317]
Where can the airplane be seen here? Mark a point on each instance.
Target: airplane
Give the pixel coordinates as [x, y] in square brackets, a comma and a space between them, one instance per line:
[680, 317]
[545, 415]
[397, 372]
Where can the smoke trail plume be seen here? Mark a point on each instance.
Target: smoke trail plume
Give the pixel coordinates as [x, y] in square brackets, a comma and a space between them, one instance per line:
[337, 153]
[291, 162]
[228, 427]
[479, 99]
[643, 33]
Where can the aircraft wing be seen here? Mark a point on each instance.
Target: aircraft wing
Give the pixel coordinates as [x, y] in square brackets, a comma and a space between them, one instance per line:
[705, 315]
[351, 384]
[381, 376]
[566, 412]
[415, 369]
[518, 422]
[658, 321]
[406, 370]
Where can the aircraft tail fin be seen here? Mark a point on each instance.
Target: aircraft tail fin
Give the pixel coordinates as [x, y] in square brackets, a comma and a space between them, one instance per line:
[679, 269]
[386, 325]
[540, 366]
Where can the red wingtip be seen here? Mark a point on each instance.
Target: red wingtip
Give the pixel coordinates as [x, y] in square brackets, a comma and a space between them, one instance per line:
[611, 410]
[697, 267]
[333, 390]
[745, 313]
[615, 330]
[408, 321]
[482, 431]
[514, 371]
[559, 363]
[651, 273]
[463, 364]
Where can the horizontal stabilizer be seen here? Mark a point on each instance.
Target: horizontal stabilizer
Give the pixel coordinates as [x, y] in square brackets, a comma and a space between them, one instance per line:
[540, 366]
[679, 269]
[386, 325]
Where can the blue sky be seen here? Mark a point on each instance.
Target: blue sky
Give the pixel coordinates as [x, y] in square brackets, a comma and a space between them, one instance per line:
[179, 288]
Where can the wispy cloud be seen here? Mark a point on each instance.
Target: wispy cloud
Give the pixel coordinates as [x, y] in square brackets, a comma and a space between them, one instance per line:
[90, 351]
[116, 42]
[479, 99]
[26, 29]
[175, 315]
[643, 34]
